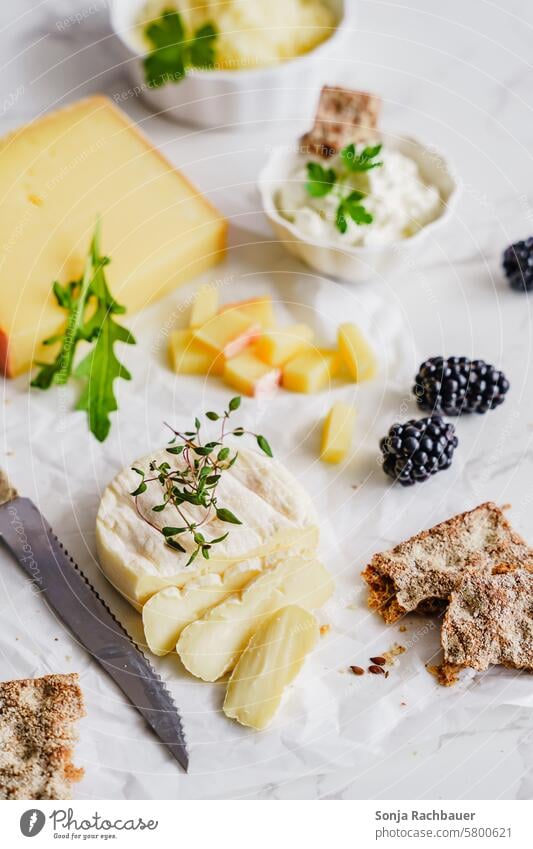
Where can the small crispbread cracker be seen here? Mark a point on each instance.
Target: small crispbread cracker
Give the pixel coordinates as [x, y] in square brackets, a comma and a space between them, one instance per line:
[37, 733]
[421, 573]
[489, 621]
[343, 116]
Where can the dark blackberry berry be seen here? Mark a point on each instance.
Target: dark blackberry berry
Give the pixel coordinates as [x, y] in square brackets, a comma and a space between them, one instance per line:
[518, 265]
[458, 385]
[414, 451]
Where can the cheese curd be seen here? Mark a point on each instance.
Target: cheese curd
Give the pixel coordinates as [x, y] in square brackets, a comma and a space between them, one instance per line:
[252, 34]
[395, 194]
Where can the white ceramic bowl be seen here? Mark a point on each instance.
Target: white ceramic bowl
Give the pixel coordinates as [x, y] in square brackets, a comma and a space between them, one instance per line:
[356, 264]
[284, 92]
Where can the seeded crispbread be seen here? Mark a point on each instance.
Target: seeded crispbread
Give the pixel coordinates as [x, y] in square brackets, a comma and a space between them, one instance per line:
[342, 117]
[37, 733]
[421, 573]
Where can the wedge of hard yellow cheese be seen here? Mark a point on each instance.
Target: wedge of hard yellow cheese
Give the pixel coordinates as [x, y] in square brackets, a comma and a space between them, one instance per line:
[271, 661]
[211, 646]
[58, 174]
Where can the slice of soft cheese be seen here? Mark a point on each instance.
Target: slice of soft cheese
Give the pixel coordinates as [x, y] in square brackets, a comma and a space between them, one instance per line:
[212, 645]
[311, 371]
[248, 374]
[260, 310]
[357, 354]
[188, 356]
[228, 333]
[58, 174]
[204, 306]
[275, 510]
[169, 611]
[271, 661]
[337, 435]
[276, 347]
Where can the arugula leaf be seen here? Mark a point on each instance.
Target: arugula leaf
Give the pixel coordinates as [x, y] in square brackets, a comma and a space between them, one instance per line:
[360, 162]
[321, 180]
[173, 52]
[100, 367]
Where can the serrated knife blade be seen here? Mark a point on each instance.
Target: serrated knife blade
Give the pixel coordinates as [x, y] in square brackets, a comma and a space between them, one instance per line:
[29, 537]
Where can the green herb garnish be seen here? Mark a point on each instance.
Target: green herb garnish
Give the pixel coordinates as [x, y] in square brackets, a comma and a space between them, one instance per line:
[324, 181]
[195, 482]
[173, 51]
[100, 367]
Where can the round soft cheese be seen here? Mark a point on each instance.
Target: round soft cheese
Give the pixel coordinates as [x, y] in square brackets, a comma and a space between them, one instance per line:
[275, 510]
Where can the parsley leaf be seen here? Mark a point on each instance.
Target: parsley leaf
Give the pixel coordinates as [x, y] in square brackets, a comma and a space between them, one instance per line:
[100, 367]
[363, 161]
[173, 52]
[321, 180]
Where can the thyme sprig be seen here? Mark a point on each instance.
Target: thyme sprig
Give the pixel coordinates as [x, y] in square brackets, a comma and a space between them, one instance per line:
[195, 482]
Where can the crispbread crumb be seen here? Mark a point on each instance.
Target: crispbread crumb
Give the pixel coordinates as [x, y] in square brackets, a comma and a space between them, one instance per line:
[37, 732]
[393, 653]
[446, 674]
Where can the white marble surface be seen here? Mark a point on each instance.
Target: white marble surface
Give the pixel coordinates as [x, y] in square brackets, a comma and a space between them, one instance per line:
[458, 75]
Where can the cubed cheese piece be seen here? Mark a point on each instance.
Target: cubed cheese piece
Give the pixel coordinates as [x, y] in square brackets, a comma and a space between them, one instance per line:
[212, 645]
[169, 611]
[338, 433]
[58, 174]
[272, 660]
[356, 353]
[204, 306]
[276, 347]
[188, 356]
[310, 371]
[228, 333]
[251, 376]
[260, 310]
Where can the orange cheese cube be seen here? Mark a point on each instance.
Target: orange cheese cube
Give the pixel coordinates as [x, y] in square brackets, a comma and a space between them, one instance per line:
[260, 310]
[205, 306]
[337, 434]
[311, 370]
[228, 333]
[188, 356]
[276, 347]
[251, 376]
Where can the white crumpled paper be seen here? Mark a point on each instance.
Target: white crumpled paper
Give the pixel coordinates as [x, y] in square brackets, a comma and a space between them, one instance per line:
[330, 719]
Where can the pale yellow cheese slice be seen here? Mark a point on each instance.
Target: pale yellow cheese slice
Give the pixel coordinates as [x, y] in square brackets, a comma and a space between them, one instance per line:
[58, 174]
[211, 646]
[276, 347]
[359, 358]
[337, 435]
[272, 660]
[204, 306]
[187, 356]
[311, 370]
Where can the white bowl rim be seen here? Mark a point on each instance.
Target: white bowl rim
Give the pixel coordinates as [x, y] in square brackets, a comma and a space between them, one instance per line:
[245, 72]
[270, 208]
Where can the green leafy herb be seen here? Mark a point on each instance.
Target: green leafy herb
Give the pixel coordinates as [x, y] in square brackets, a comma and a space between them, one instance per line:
[100, 367]
[173, 51]
[195, 482]
[324, 181]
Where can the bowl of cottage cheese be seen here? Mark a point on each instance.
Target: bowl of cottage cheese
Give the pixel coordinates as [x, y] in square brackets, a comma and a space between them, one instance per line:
[354, 222]
[265, 59]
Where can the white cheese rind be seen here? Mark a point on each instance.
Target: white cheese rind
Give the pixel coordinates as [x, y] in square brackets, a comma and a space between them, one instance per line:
[275, 510]
[271, 661]
[211, 646]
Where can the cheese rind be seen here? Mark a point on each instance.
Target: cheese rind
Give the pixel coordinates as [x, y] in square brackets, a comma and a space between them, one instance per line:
[276, 512]
[58, 174]
[276, 347]
[356, 352]
[310, 371]
[211, 646]
[169, 611]
[337, 434]
[271, 661]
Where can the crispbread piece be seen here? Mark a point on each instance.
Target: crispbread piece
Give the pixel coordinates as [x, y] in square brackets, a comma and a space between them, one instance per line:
[421, 573]
[343, 116]
[37, 732]
[489, 620]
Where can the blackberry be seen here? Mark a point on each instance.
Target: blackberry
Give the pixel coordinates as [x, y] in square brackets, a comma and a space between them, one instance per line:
[518, 265]
[414, 451]
[458, 385]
